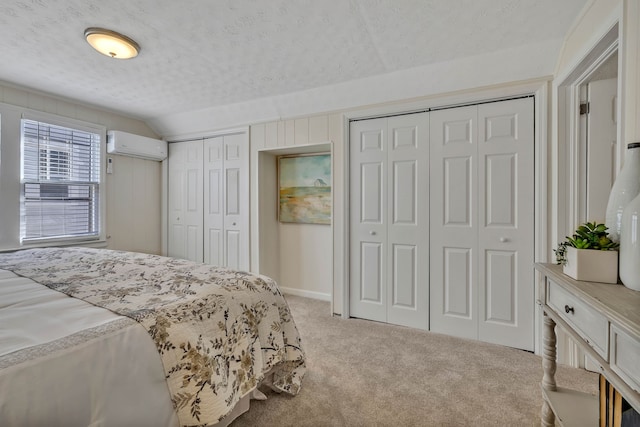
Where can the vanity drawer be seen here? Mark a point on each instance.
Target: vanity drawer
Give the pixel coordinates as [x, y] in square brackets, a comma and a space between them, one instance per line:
[586, 321]
[625, 357]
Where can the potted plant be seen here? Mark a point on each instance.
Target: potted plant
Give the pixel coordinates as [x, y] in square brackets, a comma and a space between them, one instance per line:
[589, 254]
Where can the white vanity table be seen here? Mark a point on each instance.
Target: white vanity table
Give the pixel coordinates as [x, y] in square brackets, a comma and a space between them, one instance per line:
[604, 320]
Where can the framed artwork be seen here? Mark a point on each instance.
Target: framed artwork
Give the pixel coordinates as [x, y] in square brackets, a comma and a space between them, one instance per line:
[304, 185]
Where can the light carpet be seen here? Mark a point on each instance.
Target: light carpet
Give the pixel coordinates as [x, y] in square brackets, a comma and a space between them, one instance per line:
[363, 373]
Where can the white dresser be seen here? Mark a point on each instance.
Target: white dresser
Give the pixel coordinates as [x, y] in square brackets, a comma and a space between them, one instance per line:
[604, 320]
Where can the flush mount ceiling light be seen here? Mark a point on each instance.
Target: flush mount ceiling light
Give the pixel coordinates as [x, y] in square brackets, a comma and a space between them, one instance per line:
[110, 43]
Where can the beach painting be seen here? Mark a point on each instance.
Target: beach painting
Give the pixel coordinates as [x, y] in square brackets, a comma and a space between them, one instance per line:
[305, 188]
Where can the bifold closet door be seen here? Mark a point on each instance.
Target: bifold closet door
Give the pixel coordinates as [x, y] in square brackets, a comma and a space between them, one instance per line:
[389, 227]
[214, 208]
[506, 217]
[209, 201]
[368, 237]
[185, 201]
[454, 228]
[226, 215]
[482, 222]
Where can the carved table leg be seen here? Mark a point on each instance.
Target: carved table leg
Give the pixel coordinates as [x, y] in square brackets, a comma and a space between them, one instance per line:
[548, 368]
[547, 419]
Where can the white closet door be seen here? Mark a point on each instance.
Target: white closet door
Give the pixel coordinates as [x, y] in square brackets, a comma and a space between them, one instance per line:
[601, 147]
[453, 217]
[408, 221]
[368, 224]
[482, 222]
[214, 201]
[389, 240]
[185, 201]
[506, 223]
[236, 201]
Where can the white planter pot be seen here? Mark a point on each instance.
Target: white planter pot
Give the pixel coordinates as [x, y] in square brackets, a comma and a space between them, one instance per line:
[625, 188]
[591, 265]
[630, 245]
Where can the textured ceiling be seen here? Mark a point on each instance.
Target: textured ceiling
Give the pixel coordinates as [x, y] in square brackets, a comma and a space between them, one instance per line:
[202, 53]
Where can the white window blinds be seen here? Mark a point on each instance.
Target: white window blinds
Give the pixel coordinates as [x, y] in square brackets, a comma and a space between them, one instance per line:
[60, 182]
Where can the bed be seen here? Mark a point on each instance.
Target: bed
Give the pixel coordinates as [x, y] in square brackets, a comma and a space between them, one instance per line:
[144, 340]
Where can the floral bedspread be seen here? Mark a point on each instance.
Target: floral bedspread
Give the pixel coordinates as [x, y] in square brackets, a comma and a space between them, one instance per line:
[218, 331]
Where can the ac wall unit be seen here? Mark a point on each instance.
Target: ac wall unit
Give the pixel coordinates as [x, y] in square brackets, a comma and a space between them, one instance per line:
[128, 144]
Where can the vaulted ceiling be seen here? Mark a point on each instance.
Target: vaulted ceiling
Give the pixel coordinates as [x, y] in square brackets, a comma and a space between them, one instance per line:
[198, 54]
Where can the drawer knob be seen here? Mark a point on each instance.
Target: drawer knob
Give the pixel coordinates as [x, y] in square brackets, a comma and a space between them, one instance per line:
[568, 309]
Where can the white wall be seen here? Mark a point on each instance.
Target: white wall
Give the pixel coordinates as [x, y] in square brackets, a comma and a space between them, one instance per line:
[133, 204]
[133, 190]
[299, 256]
[305, 259]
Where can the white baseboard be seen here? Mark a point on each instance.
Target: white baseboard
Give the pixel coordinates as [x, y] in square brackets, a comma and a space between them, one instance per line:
[306, 294]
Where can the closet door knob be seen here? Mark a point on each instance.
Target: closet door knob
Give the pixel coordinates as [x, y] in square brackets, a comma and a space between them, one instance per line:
[504, 239]
[373, 233]
[233, 223]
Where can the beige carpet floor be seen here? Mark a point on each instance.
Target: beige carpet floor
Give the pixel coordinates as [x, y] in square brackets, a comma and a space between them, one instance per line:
[363, 373]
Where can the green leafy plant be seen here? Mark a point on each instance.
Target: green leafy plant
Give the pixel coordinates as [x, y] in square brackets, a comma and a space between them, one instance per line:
[590, 235]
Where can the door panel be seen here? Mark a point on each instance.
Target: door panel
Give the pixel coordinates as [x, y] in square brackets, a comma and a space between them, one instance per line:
[177, 243]
[457, 192]
[185, 201]
[453, 214]
[213, 248]
[408, 225]
[457, 282]
[404, 267]
[232, 253]
[506, 218]
[233, 191]
[214, 193]
[405, 192]
[456, 129]
[371, 272]
[368, 239]
[501, 293]
[194, 235]
[236, 218]
[176, 240]
[371, 195]
[215, 185]
[502, 180]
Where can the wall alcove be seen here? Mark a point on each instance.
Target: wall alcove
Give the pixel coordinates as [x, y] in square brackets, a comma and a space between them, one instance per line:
[298, 256]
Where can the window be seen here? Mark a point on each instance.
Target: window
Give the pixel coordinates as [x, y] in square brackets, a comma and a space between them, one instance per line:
[60, 177]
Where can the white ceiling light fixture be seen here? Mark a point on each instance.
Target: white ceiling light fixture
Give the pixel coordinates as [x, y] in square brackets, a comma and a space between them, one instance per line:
[111, 44]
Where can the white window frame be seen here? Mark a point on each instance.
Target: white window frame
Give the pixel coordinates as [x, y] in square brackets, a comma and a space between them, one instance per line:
[55, 120]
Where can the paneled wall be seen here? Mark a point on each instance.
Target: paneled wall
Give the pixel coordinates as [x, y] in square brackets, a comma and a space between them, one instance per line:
[133, 190]
[133, 205]
[299, 256]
